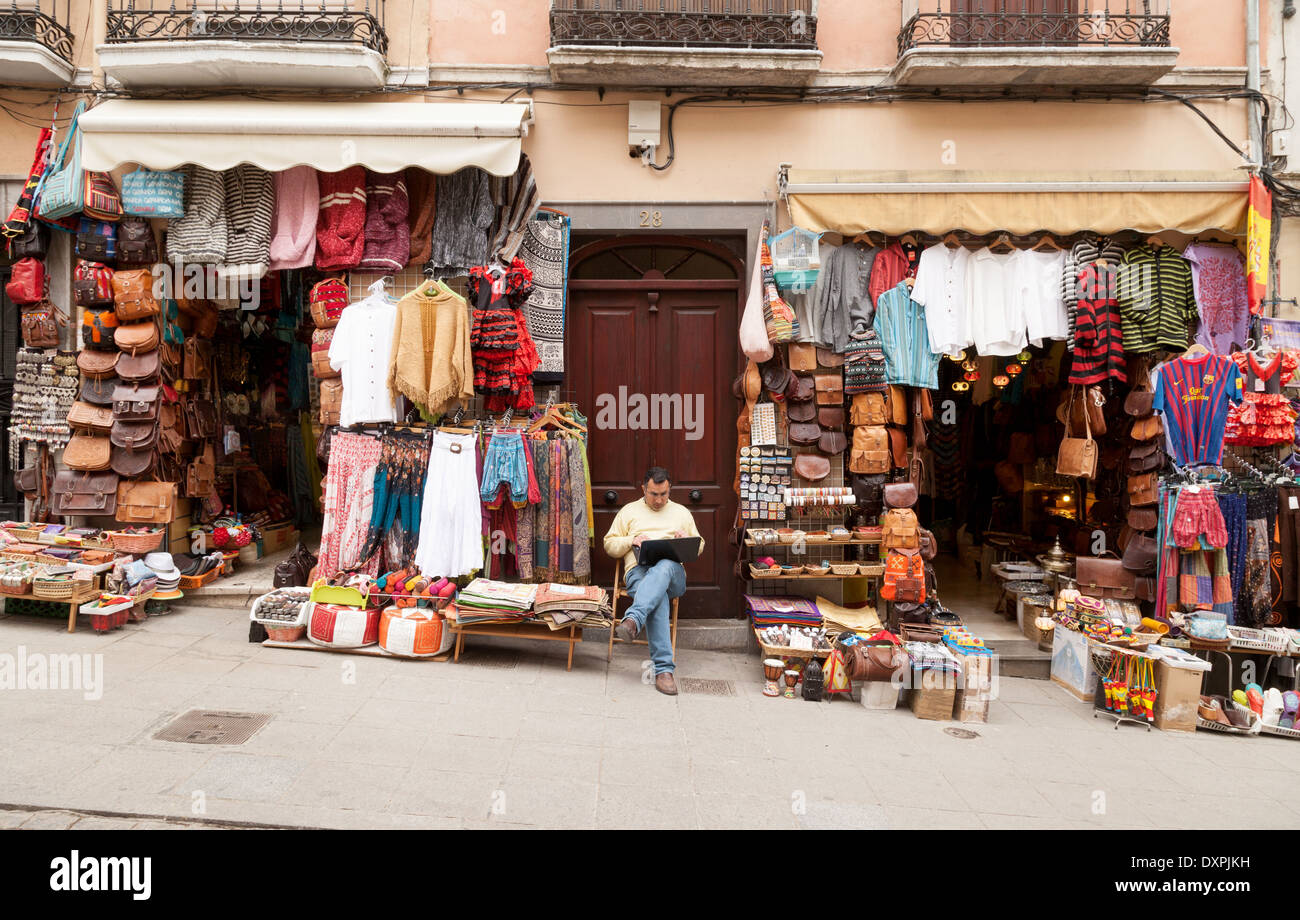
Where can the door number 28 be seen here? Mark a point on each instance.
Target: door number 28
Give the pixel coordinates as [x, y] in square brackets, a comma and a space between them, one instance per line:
[652, 218]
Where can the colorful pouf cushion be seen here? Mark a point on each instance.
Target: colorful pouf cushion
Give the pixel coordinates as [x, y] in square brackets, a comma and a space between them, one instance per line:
[337, 626]
[414, 632]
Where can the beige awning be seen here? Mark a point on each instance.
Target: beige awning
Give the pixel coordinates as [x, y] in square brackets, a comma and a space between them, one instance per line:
[850, 202]
[385, 136]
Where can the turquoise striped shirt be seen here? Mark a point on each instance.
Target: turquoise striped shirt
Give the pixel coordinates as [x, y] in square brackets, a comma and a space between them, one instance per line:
[900, 323]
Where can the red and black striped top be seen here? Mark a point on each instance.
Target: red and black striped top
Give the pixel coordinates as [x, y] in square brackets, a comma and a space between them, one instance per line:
[1098, 337]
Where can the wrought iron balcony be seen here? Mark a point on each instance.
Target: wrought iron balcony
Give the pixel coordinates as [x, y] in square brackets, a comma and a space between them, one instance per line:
[751, 24]
[1041, 23]
[359, 22]
[44, 22]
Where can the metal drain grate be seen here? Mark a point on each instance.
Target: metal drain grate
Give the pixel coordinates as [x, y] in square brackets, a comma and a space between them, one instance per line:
[208, 726]
[964, 733]
[708, 686]
[496, 659]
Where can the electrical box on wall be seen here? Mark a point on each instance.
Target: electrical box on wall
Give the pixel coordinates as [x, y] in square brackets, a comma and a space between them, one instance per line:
[1281, 143]
[643, 119]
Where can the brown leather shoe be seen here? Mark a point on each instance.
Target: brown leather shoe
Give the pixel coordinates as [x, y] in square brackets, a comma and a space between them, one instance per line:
[665, 683]
[627, 629]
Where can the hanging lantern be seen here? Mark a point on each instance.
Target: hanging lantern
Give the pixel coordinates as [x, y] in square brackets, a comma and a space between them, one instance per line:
[813, 682]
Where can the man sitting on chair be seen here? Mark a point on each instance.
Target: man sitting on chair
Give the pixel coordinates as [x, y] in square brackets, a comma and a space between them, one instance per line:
[653, 517]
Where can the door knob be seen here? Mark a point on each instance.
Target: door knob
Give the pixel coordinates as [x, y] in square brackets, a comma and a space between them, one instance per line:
[610, 497]
[696, 495]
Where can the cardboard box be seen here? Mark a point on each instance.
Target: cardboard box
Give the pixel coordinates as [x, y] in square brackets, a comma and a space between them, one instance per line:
[879, 694]
[1178, 691]
[933, 694]
[1071, 667]
[275, 539]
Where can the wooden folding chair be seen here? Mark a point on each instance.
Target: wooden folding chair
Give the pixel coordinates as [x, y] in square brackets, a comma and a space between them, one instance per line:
[620, 590]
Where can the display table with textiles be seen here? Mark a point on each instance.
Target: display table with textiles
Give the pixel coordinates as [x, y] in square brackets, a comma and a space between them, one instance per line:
[547, 612]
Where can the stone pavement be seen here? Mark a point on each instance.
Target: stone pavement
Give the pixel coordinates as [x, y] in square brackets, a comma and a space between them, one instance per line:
[508, 738]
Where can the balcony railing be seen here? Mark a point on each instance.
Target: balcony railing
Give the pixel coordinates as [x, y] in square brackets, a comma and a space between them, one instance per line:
[359, 22]
[42, 21]
[1021, 23]
[783, 24]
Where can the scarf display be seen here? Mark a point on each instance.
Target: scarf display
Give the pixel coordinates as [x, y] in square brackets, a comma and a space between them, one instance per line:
[545, 251]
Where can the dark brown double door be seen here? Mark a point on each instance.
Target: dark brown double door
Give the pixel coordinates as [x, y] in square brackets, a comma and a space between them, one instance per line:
[669, 345]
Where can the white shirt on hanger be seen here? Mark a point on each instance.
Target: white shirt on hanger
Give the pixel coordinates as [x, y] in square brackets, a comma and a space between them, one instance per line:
[994, 314]
[362, 349]
[941, 288]
[1038, 287]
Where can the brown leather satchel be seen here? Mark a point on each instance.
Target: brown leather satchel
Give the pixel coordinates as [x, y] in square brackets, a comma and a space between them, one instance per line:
[133, 298]
[91, 452]
[900, 529]
[929, 545]
[134, 435]
[898, 412]
[89, 494]
[832, 443]
[1143, 489]
[1144, 429]
[136, 337]
[201, 475]
[898, 447]
[1102, 576]
[87, 415]
[828, 358]
[1139, 403]
[1144, 519]
[900, 495]
[804, 410]
[863, 662]
[195, 360]
[804, 434]
[171, 426]
[803, 357]
[870, 451]
[830, 389]
[201, 414]
[144, 366]
[1145, 457]
[97, 365]
[1094, 401]
[1078, 456]
[812, 467]
[802, 388]
[831, 418]
[869, 409]
[146, 502]
[135, 403]
[132, 463]
[1140, 555]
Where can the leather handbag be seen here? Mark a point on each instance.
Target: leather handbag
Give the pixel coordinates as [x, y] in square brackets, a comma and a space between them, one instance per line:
[1094, 402]
[146, 502]
[801, 411]
[929, 545]
[1143, 489]
[136, 337]
[1144, 588]
[96, 241]
[803, 357]
[831, 417]
[1140, 555]
[135, 403]
[1143, 519]
[805, 434]
[201, 414]
[828, 358]
[1126, 533]
[27, 281]
[201, 474]
[869, 409]
[801, 388]
[773, 372]
[1103, 576]
[136, 368]
[102, 201]
[197, 366]
[132, 463]
[92, 284]
[133, 298]
[1144, 429]
[898, 412]
[870, 450]
[830, 389]
[97, 364]
[867, 492]
[136, 244]
[1145, 457]
[32, 243]
[88, 452]
[100, 392]
[1139, 403]
[812, 467]
[98, 328]
[85, 493]
[87, 415]
[171, 425]
[898, 447]
[40, 325]
[885, 662]
[134, 435]
[900, 495]
[922, 411]
[27, 481]
[1078, 456]
[833, 443]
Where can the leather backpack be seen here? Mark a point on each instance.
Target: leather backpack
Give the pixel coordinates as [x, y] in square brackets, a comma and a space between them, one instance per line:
[40, 325]
[869, 409]
[27, 281]
[133, 298]
[136, 244]
[201, 474]
[870, 450]
[900, 529]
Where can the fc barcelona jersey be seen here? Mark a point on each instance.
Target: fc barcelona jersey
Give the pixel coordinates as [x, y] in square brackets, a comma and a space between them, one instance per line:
[1194, 395]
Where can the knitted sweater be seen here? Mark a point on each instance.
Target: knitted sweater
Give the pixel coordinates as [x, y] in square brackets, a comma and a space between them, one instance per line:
[297, 205]
[387, 236]
[200, 236]
[462, 222]
[422, 194]
[432, 363]
[340, 227]
[250, 205]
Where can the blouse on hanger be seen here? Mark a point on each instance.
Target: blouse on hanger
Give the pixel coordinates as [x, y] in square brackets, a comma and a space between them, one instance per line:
[1219, 279]
[362, 350]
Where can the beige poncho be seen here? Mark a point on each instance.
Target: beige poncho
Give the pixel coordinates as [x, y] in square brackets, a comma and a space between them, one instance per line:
[432, 364]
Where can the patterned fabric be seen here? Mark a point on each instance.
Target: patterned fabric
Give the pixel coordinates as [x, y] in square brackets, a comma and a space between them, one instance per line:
[1155, 299]
[1219, 280]
[864, 364]
[1233, 506]
[348, 504]
[1087, 250]
[545, 251]
[1204, 579]
[1265, 416]
[1198, 515]
[1255, 598]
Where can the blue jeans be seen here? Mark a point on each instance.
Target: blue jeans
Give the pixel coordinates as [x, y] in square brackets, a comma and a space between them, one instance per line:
[652, 587]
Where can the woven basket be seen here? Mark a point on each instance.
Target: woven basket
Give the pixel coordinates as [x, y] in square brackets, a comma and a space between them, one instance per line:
[62, 590]
[757, 572]
[817, 569]
[135, 543]
[844, 568]
[16, 590]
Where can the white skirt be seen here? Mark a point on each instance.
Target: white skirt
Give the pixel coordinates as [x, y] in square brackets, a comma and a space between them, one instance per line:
[451, 517]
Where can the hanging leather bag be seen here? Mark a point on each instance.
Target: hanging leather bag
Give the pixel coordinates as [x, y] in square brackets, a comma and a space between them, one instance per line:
[135, 403]
[1103, 576]
[146, 502]
[832, 443]
[1078, 456]
[136, 244]
[869, 409]
[830, 389]
[803, 357]
[870, 450]
[805, 434]
[85, 493]
[812, 467]
[1140, 555]
[87, 415]
[88, 452]
[27, 281]
[97, 365]
[1143, 489]
[136, 337]
[898, 411]
[40, 325]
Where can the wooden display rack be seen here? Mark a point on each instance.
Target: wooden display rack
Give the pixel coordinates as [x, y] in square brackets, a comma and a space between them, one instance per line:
[540, 632]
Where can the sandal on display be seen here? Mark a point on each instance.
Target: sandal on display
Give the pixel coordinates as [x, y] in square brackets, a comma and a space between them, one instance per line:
[1290, 709]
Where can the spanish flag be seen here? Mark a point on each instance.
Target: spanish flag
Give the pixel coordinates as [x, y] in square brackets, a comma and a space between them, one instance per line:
[1259, 234]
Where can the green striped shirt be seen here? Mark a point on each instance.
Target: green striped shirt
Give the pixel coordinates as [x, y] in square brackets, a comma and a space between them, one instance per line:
[1156, 300]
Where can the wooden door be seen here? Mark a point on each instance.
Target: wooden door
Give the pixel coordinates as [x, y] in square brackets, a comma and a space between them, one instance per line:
[674, 343]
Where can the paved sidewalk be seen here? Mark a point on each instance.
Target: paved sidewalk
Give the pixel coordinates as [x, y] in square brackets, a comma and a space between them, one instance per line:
[508, 738]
